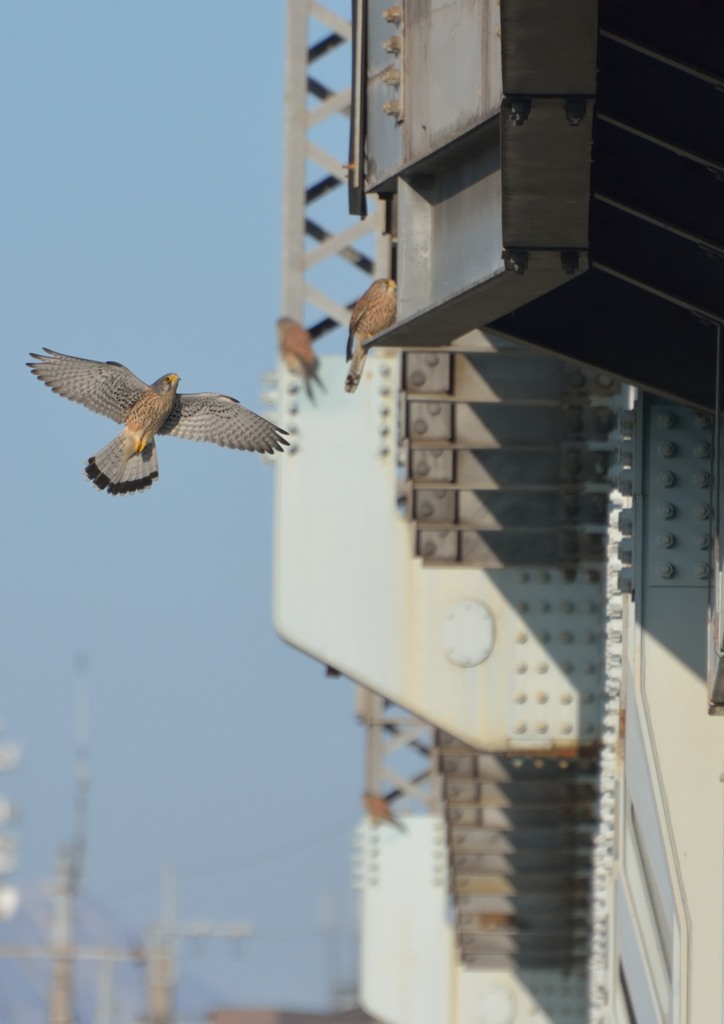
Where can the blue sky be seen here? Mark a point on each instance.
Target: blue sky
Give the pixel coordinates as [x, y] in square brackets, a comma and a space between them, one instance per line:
[140, 222]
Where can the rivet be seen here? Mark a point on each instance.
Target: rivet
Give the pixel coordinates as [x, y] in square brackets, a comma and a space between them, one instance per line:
[567, 667]
[422, 469]
[544, 637]
[702, 571]
[542, 668]
[544, 606]
[524, 577]
[667, 479]
[522, 606]
[567, 607]
[520, 728]
[666, 540]
[666, 570]
[589, 638]
[519, 697]
[566, 638]
[702, 421]
[428, 548]
[539, 763]
[419, 427]
[426, 510]
[701, 541]
[702, 511]
[434, 408]
[567, 729]
[701, 479]
[566, 698]
[521, 637]
[702, 450]
[541, 728]
[432, 359]
[383, 451]
[667, 449]
[667, 420]
[521, 668]
[541, 697]
[384, 389]
[604, 380]
[544, 577]
[417, 378]
[667, 510]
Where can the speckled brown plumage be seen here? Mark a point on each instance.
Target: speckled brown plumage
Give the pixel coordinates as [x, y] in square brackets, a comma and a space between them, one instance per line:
[373, 312]
[130, 462]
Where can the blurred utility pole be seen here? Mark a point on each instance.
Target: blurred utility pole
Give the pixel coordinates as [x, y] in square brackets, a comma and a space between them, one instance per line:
[162, 949]
[62, 950]
[60, 1004]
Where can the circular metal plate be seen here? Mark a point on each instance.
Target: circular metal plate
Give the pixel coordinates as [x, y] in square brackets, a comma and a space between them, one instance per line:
[468, 634]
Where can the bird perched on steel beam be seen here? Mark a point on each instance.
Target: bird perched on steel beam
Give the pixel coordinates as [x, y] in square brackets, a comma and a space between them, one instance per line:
[295, 347]
[372, 313]
[129, 463]
[380, 811]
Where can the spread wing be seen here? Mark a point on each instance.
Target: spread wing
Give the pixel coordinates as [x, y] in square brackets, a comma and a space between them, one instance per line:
[222, 420]
[107, 388]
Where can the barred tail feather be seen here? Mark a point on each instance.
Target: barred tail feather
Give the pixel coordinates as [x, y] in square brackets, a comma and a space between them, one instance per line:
[119, 469]
[355, 369]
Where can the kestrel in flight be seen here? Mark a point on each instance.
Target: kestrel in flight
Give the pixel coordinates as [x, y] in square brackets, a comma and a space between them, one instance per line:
[295, 347]
[130, 463]
[372, 313]
[380, 811]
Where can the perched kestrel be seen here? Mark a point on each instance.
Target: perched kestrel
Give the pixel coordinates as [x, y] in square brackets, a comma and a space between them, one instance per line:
[372, 313]
[129, 463]
[295, 346]
[379, 810]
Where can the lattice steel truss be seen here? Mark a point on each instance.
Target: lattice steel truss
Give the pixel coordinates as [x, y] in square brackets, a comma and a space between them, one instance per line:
[313, 247]
[314, 171]
[398, 752]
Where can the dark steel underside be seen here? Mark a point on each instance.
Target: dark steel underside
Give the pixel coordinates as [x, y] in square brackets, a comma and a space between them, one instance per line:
[648, 307]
